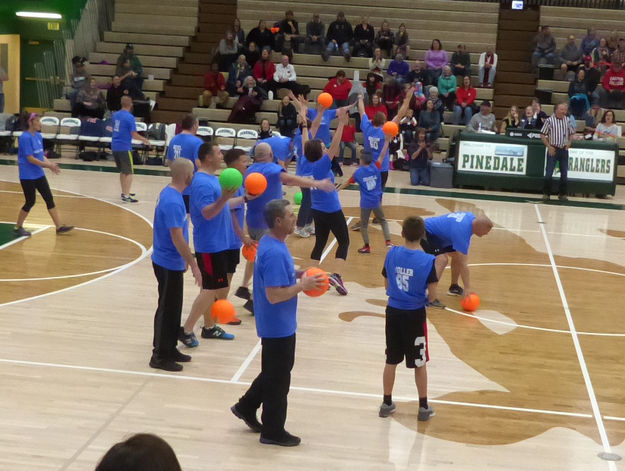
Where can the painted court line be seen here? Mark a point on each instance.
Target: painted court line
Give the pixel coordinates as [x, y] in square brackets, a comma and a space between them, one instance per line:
[20, 239]
[578, 349]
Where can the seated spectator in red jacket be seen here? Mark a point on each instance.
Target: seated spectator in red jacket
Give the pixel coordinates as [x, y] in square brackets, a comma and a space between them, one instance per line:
[613, 92]
[375, 105]
[339, 88]
[264, 70]
[348, 140]
[214, 87]
[465, 96]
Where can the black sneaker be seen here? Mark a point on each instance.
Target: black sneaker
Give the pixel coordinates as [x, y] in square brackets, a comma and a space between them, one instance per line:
[189, 340]
[180, 357]
[455, 290]
[21, 232]
[285, 440]
[216, 332]
[164, 364]
[243, 293]
[249, 305]
[63, 229]
[250, 420]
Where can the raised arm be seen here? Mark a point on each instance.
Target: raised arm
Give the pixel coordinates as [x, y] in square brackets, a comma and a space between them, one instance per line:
[361, 105]
[335, 147]
[403, 109]
[314, 127]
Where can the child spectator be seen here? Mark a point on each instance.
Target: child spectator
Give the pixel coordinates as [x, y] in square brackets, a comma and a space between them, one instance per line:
[348, 140]
[407, 128]
[420, 156]
[265, 129]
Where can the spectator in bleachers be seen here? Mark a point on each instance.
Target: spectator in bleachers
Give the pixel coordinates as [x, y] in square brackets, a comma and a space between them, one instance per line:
[252, 54]
[264, 70]
[528, 122]
[90, 101]
[214, 88]
[391, 93]
[375, 105]
[570, 58]
[484, 120]
[590, 41]
[419, 96]
[385, 39]
[511, 120]
[430, 120]
[287, 117]
[265, 129]
[284, 75]
[239, 71]
[377, 63]
[607, 129]
[600, 56]
[417, 73]
[447, 86]
[339, 87]
[612, 41]
[135, 64]
[398, 69]
[363, 38]
[463, 110]
[579, 95]
[420, 153]
[228, 51]
[439, 106]
[591, 118]
[619, 54]
[261, 36]
[348, 140]
[288, 37]
[139, 453]
[544, 47]
[435, 59]
[401, 44]
[487, 67]
[339, 36]
[114, 95]
[407, 127]
[538, 115]
[315, 35]
[613, 92]
[461, 61]
[372, 85]
[129, 78]
[79, 79]
[238, 32]
[249, 102]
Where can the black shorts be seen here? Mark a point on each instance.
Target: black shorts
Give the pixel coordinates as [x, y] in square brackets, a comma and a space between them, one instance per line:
[123, 160]
[434, 246]
[234, 257]
[186, 202]
[406, 337]
[214, 269]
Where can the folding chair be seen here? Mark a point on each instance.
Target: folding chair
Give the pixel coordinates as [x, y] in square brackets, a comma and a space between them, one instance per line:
[227, 133]
[247, 134]
[72, 126]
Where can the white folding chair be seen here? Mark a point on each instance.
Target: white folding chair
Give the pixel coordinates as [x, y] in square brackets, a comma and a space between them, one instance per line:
[226, 133]
[205, 132]
[71, 136]
[275, 133]
[50, 122]
[248, 134]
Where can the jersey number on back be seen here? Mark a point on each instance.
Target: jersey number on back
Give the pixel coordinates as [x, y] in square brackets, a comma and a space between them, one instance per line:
[402, 282]
[457, 216]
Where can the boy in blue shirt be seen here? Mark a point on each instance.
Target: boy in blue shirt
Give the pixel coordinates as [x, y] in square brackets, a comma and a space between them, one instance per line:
[409, 274]
[185, 145]
[451, 234]
[171, 257]
[276, 287]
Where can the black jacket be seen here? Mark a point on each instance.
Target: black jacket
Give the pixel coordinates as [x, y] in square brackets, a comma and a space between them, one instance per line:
[360, 34]
[341, 32]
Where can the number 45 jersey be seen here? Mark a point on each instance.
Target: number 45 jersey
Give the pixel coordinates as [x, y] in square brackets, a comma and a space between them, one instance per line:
[408, 272]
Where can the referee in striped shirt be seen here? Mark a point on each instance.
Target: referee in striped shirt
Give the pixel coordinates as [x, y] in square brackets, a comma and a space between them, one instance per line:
[557, 135]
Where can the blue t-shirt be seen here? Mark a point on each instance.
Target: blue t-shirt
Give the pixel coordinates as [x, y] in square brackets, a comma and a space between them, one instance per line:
[370, 182]
[280, 146]
[303, 167]
[452, 230]
[324, 128]
[123, 126]
[327, 202]
[408, 273]
[373, 139]
[255, 207]
[209, 235]
[170, 213]
[237, 212]
[30, 144]
[187, 147]
[274, 268]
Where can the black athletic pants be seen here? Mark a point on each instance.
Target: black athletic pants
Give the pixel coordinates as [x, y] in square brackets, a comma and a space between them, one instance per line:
[30, 188]
[271, 386]
[324, 223]
[169, 311]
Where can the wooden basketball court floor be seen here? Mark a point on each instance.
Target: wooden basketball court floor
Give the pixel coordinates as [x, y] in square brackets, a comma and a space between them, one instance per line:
[534, 380]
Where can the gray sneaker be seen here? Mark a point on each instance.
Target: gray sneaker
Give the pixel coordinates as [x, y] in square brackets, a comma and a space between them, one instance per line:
[436, 303]
[425, 414]
[21, 232]
[386, 410]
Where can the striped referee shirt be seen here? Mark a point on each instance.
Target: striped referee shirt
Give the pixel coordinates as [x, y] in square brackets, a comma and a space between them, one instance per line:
[558, 131]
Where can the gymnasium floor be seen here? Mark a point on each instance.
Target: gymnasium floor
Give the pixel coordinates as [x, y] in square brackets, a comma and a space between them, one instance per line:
[533, 381]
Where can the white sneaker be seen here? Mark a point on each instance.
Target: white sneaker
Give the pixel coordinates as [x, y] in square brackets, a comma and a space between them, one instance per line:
[310, 228]
[302, 232]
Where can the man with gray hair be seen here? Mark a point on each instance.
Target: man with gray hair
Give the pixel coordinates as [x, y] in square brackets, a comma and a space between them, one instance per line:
[484, 121]
[557, 135]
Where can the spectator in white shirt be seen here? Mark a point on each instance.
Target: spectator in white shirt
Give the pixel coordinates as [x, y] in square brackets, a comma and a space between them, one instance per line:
[284, 76]
[487, 67]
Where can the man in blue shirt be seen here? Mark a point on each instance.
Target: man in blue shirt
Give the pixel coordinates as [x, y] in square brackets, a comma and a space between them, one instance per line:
[282, 148]
[185, 145]
[124, 131]
[275, 297]
[210, 214]
[171, 257]
[451, 234]
[410, 278]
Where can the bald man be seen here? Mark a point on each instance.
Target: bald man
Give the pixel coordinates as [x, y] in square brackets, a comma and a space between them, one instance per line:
[257, 226]
[451, 234]
[171, 258]
[124, 131]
